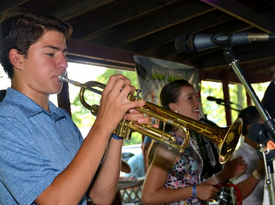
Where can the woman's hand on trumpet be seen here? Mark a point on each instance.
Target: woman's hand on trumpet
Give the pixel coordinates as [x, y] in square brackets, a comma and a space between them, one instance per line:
[115, 105]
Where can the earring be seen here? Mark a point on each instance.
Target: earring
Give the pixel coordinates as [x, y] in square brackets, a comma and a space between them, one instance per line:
[176, 111]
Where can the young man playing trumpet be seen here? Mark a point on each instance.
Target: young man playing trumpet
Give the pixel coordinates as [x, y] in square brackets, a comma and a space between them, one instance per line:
[44, 159]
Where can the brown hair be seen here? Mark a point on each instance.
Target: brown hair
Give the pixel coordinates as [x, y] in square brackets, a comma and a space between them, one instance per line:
[21, 28]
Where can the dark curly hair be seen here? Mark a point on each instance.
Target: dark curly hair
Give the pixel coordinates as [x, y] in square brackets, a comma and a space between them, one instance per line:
[21, 28]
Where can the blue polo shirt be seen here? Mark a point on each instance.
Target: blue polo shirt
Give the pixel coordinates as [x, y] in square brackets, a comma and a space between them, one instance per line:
[35, 146]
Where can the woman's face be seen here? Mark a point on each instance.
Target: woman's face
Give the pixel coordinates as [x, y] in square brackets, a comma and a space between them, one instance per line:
[188, 104]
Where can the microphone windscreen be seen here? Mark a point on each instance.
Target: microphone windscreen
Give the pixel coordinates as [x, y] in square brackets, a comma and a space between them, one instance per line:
[256, 133]
[211, 98]
[185, 43]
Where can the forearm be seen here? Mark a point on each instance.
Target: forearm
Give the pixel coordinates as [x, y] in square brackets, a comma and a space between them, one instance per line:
[165, 195]
[230, 169]
[153, 191]
[247, 186]
[105, 187]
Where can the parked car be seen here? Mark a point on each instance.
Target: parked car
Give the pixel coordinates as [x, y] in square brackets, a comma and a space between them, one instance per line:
[130, 150]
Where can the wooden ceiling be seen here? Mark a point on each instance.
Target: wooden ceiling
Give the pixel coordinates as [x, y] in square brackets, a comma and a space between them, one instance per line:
[110, 32]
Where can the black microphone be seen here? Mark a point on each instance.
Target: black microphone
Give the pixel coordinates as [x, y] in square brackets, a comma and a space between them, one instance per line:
[196, 42]
[257, 133]
[217, 100]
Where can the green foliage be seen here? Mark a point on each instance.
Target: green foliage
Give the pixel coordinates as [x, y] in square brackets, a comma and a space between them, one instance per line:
[136, 138]
[212, 111]
[83, 117]
[237, 92]
[131, 75]
[2, 72]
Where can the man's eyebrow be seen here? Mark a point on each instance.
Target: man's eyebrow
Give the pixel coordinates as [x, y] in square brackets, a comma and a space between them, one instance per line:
[57, 48]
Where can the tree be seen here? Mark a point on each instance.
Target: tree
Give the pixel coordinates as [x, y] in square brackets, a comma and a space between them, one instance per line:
[131, 75]
[83, 117]
[215, 112]
[136, 138]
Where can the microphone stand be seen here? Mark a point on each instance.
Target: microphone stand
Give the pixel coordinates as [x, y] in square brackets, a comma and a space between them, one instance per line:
[269, 171]
[269, 124]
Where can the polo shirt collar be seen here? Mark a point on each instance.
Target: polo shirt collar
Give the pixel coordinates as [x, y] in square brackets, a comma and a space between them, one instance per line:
[29, 107]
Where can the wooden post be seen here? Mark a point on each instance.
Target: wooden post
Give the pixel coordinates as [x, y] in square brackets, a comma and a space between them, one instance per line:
[226, 96]
[248, 100]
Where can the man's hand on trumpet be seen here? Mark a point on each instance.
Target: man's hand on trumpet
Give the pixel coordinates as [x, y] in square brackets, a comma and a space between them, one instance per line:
[115, 105]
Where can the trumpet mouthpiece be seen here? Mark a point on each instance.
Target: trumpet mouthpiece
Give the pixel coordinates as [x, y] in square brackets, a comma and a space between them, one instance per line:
[62, 78]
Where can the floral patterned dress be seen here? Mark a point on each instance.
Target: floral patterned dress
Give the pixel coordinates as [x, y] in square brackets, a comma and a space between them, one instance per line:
[186, 172]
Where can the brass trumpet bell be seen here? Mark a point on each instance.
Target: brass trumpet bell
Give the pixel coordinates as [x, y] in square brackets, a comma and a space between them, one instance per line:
[225, 139]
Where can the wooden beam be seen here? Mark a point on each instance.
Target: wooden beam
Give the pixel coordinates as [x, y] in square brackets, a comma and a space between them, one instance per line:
[162, 44]
[10, 4]
[232, 78]
[232, 26]
[158, 21]
[243, 13]
[249, 53]
[113, 15]
[67, 10]
[90, 51]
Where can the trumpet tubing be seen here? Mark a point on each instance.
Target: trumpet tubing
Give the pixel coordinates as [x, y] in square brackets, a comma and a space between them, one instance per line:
[225, 139]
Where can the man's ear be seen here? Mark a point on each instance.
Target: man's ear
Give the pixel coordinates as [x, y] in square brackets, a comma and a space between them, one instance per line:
[15, 58]
[173, 107]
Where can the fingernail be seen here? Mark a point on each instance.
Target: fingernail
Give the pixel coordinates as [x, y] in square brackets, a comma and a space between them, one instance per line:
[140, 120]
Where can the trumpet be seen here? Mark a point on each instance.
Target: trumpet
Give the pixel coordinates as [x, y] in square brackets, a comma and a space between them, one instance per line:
[225, 139]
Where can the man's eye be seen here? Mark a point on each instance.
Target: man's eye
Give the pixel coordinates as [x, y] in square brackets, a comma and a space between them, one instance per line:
[50, 54]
